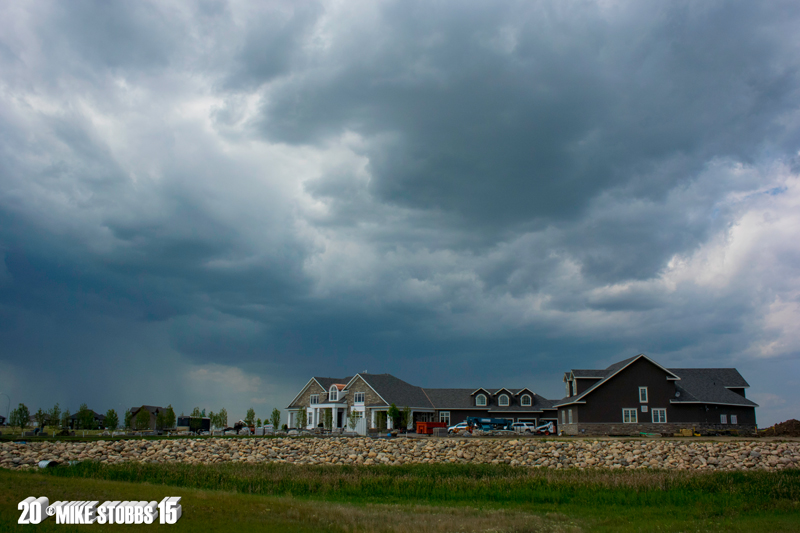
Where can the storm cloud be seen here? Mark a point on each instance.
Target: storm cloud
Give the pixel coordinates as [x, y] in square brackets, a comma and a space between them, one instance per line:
[205, 204]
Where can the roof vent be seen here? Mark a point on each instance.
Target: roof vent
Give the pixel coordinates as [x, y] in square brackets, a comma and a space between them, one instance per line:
[677, 394]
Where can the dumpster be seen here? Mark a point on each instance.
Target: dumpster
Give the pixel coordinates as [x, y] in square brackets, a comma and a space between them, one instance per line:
[426, 428]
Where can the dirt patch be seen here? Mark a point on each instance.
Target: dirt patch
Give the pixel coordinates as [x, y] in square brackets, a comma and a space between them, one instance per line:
[790, 428]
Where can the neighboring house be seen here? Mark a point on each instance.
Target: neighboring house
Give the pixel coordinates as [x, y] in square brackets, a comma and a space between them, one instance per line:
[154, 410]
[2, 420]
[639, 395]
[99, 420]
[371, 395]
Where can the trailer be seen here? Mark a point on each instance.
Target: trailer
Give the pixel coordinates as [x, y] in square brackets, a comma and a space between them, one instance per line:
[426, 428]
[490, 424]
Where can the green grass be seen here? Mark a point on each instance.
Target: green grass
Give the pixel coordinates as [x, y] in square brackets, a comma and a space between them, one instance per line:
[598, 500]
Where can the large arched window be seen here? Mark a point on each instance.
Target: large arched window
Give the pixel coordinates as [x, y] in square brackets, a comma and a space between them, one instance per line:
[525, 400]
[333, 394]
[480, 400]
[503, 400]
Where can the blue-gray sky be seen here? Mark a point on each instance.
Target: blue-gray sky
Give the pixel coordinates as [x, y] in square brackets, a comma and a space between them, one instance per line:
[207, 203]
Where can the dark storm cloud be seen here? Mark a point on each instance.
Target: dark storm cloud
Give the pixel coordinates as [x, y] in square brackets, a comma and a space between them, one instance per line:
[525, 113]
[241, 195]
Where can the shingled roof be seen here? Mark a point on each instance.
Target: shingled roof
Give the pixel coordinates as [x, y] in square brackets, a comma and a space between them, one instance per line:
[710, 385]
[704, 385]
[396, 391]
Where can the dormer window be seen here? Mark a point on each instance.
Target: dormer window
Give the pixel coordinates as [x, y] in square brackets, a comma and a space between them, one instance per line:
[525, 400]
[575, 387]
[480, 400]
[333, 394]
[502, 401]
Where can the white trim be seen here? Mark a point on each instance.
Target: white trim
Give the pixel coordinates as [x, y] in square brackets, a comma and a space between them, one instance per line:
[633, 411]
[658, 410]
[522, 399]
[484, 390]
[503, 389]
[477, 400]
[508, 401]
[723, 418]
[305, 387]
[347, 386]
[605, 380]
[715, 403]
[735, 387]
[734, 419]
[363, 398]
[646, 395]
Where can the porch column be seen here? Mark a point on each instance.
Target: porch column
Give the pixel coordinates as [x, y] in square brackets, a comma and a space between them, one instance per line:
[335, 423]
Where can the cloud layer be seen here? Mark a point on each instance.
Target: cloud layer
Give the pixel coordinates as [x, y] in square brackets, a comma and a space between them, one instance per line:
[204, 205]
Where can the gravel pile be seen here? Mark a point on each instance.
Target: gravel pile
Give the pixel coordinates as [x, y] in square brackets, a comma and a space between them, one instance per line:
[662, 454]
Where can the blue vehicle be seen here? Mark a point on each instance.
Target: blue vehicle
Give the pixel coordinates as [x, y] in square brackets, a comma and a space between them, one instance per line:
[489, 424]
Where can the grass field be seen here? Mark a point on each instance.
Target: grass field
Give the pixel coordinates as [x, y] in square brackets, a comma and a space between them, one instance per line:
[425, 498]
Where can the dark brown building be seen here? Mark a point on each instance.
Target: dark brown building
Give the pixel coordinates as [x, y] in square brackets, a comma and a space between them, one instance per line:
[638, 395]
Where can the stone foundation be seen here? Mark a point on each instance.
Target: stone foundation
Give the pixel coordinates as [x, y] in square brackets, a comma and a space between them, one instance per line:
[666, 429]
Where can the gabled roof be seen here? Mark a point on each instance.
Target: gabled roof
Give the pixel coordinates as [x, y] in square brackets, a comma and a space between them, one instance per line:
[582, 373]
[463, 399]
[501, 389]
[394, 390]
[480, 389]
[154, 409]
[609, 373]
[324, 383]
[710, 385]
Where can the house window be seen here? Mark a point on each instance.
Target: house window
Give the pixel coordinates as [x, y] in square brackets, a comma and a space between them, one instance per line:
[629, 416]
[503, 400]
[575, 387]
[444, 416]
[480, 400]
[314, 399]
[723, 419]
[734, 419]
[659, 416]
[333, 394]
[569, 416]
[568, 394]
[358, 397]
[526, 400]
[564, 417]
[358, 414]
[643, 394]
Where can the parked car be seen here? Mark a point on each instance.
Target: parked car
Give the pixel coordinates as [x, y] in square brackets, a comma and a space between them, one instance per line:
[461, 426]
[524, 427]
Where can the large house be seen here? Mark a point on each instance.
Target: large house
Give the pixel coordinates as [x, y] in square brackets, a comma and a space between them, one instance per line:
[630, 397]
[638, 395]
[371, 395]
[152, 410]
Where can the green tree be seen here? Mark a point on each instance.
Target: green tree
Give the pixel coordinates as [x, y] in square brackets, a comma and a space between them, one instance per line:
[258, 422]
[169, 417]
[85, 417]
[328, 418]
[250, 417]
[65, 418]
[112, 420]
[196, 412]
[142, 419]
[302, 417]
[405, 417]
[353, 419]
[394, 415]
[380, 420]
[20, 417]
[160, 419]
[41, 418]
[54, 416]
[128, 419]
[275, 418]
[223, 418]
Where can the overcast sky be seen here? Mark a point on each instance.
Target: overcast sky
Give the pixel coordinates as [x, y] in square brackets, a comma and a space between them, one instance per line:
[207, 203]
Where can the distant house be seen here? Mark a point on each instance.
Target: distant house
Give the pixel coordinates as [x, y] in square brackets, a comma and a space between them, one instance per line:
[639, 395]
[369, 396]
[153, 411]
[99, 420]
